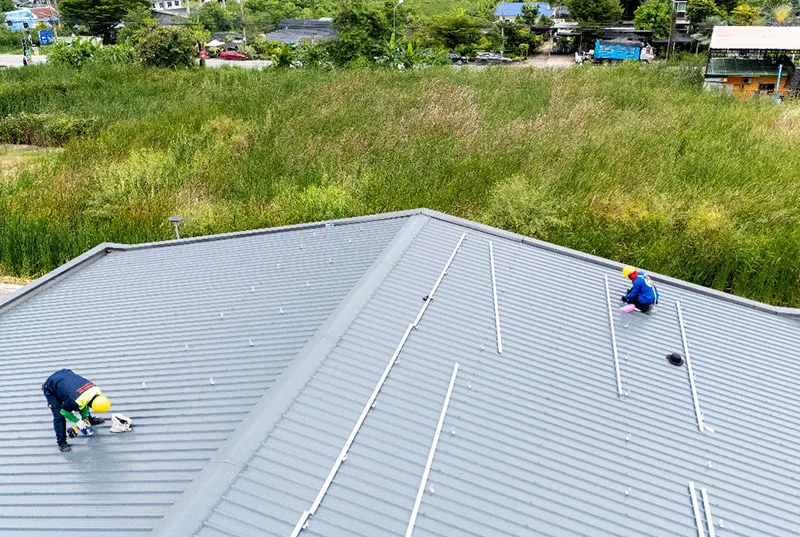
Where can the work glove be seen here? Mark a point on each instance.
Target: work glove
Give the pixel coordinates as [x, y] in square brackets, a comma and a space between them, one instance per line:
[623, 298]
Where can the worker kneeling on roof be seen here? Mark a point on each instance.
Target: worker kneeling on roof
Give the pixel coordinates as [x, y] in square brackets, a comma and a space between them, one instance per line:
[66, 393]
[643, 294]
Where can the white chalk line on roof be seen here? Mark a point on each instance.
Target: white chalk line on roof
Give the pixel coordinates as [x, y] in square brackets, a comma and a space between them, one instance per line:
[302, 523]
[432, 452]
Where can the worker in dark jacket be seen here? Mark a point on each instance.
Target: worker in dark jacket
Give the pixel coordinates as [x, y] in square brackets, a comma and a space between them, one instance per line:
[66, 393]
[643, 294]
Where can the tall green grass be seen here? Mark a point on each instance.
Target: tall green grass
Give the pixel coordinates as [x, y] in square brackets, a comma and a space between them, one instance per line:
[633, 163]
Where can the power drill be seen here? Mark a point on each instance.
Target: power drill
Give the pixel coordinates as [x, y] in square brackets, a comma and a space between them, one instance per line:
[75, 430]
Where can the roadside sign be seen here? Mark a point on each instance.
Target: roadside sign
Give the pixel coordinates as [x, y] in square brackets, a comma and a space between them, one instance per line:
[45, 37]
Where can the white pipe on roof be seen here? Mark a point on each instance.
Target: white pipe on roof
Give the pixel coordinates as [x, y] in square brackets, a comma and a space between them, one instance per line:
[426, 473]
[696, 401]
[613, 339]
[496, 307]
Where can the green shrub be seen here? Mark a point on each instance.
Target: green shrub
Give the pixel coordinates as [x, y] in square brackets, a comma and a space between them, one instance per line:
[166, 46]
[53, 129]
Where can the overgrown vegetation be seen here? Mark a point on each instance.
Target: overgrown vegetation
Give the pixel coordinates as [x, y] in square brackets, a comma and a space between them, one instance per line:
[633, 163]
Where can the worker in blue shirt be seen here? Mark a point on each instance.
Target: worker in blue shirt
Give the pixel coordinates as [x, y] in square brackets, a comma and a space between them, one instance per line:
[643, 294]
[67, 392]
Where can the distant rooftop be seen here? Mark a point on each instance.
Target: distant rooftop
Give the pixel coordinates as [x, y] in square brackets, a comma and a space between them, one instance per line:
[514, 9]
[741, 67]
[756, 38]
[409, 373]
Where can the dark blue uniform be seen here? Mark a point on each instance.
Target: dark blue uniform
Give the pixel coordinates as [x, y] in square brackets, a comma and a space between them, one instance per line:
[61, 390]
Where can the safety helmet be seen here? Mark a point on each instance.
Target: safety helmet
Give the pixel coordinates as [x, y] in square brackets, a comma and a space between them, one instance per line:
[101, 404]
[627, 270]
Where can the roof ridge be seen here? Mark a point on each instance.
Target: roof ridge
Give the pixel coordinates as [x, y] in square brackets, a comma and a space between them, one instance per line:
[198, 500]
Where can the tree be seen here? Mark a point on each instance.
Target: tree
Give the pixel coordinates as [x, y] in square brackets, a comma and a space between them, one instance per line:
[452, 29]
[704, 29]
[215, 18]
[727, 6]
[100, 16]
[364, 28]
[166, 46]
[7, 5]
[653, 15]
[699, 10]
[745, 15]
[595, 11]
[135, 21]
[529, 13]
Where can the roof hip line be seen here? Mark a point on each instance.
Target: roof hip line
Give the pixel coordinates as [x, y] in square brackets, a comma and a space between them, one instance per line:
[195, 504]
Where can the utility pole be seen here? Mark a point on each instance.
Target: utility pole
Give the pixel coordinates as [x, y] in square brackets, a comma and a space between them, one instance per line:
[672, 30]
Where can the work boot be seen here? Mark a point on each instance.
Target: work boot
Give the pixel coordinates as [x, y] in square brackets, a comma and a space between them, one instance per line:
[96, 420]
[64, 447]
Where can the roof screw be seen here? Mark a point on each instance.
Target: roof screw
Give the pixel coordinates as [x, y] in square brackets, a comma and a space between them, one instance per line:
[373, 405]
[349, 240]
[186, 348]
[315, 233]
[626, 325]
[251, 342]
[144, 385]
[627, 393]
[721, 524]
[301, 246]
[305, 526]
[469, 384]
[308, 284]
[252, 289]
[344, 458]
[211, 380]
[330, 260]
[626, 356]
[221, 315]
[431, 489]
[481, 346]
[281, 310]
[361, 229]
[628, 438]
[628, 491]
[278, 265]
[709, 464]
[453, 430]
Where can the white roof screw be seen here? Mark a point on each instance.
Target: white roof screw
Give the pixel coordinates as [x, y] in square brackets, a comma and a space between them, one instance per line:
[144, 385]
[211, 380]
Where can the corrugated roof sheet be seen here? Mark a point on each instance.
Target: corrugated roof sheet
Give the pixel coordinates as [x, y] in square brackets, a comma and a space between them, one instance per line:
[125, 321]
[514, 9]
[535, 441]
[756, 38]
[741, 67]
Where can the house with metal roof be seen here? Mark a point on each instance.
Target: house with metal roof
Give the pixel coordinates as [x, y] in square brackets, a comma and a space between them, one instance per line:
[26, 19]
[401, 374]
[754, 60]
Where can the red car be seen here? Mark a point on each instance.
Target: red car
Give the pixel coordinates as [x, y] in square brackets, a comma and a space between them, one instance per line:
[231, 55]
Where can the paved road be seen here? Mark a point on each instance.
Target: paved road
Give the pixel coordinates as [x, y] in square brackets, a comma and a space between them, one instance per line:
[15, 60]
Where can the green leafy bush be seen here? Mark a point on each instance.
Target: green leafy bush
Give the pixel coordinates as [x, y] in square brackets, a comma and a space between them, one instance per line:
[166, 46]
[81, 53]
[53, 129]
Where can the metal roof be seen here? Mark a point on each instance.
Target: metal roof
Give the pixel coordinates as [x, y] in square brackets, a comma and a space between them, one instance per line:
[373, 428]
[514, 9]
[741, 67]
[756, 38]
[152, 326]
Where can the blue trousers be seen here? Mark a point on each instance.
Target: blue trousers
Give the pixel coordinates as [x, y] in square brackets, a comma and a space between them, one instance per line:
[59, 423]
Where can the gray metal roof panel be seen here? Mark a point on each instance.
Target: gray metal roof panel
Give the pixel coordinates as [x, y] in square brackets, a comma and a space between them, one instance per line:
[535, 441]
[124, 319]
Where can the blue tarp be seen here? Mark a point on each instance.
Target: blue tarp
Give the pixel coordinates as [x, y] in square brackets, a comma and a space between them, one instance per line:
[514, 9]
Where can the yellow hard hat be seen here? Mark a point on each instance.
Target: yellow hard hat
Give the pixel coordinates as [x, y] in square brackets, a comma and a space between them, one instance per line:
[627, 270]
[101, 404]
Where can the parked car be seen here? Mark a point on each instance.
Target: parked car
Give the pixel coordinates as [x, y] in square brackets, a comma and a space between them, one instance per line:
[491, 57]
[231, 55]
[457, 59]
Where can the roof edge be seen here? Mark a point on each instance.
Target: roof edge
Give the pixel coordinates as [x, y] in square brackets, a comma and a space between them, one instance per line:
[278, 229]
[681, 284]
[51, 278]
[197, 501]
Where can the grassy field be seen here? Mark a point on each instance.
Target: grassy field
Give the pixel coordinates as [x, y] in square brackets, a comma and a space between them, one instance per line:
[433, 7]
[633, 163]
